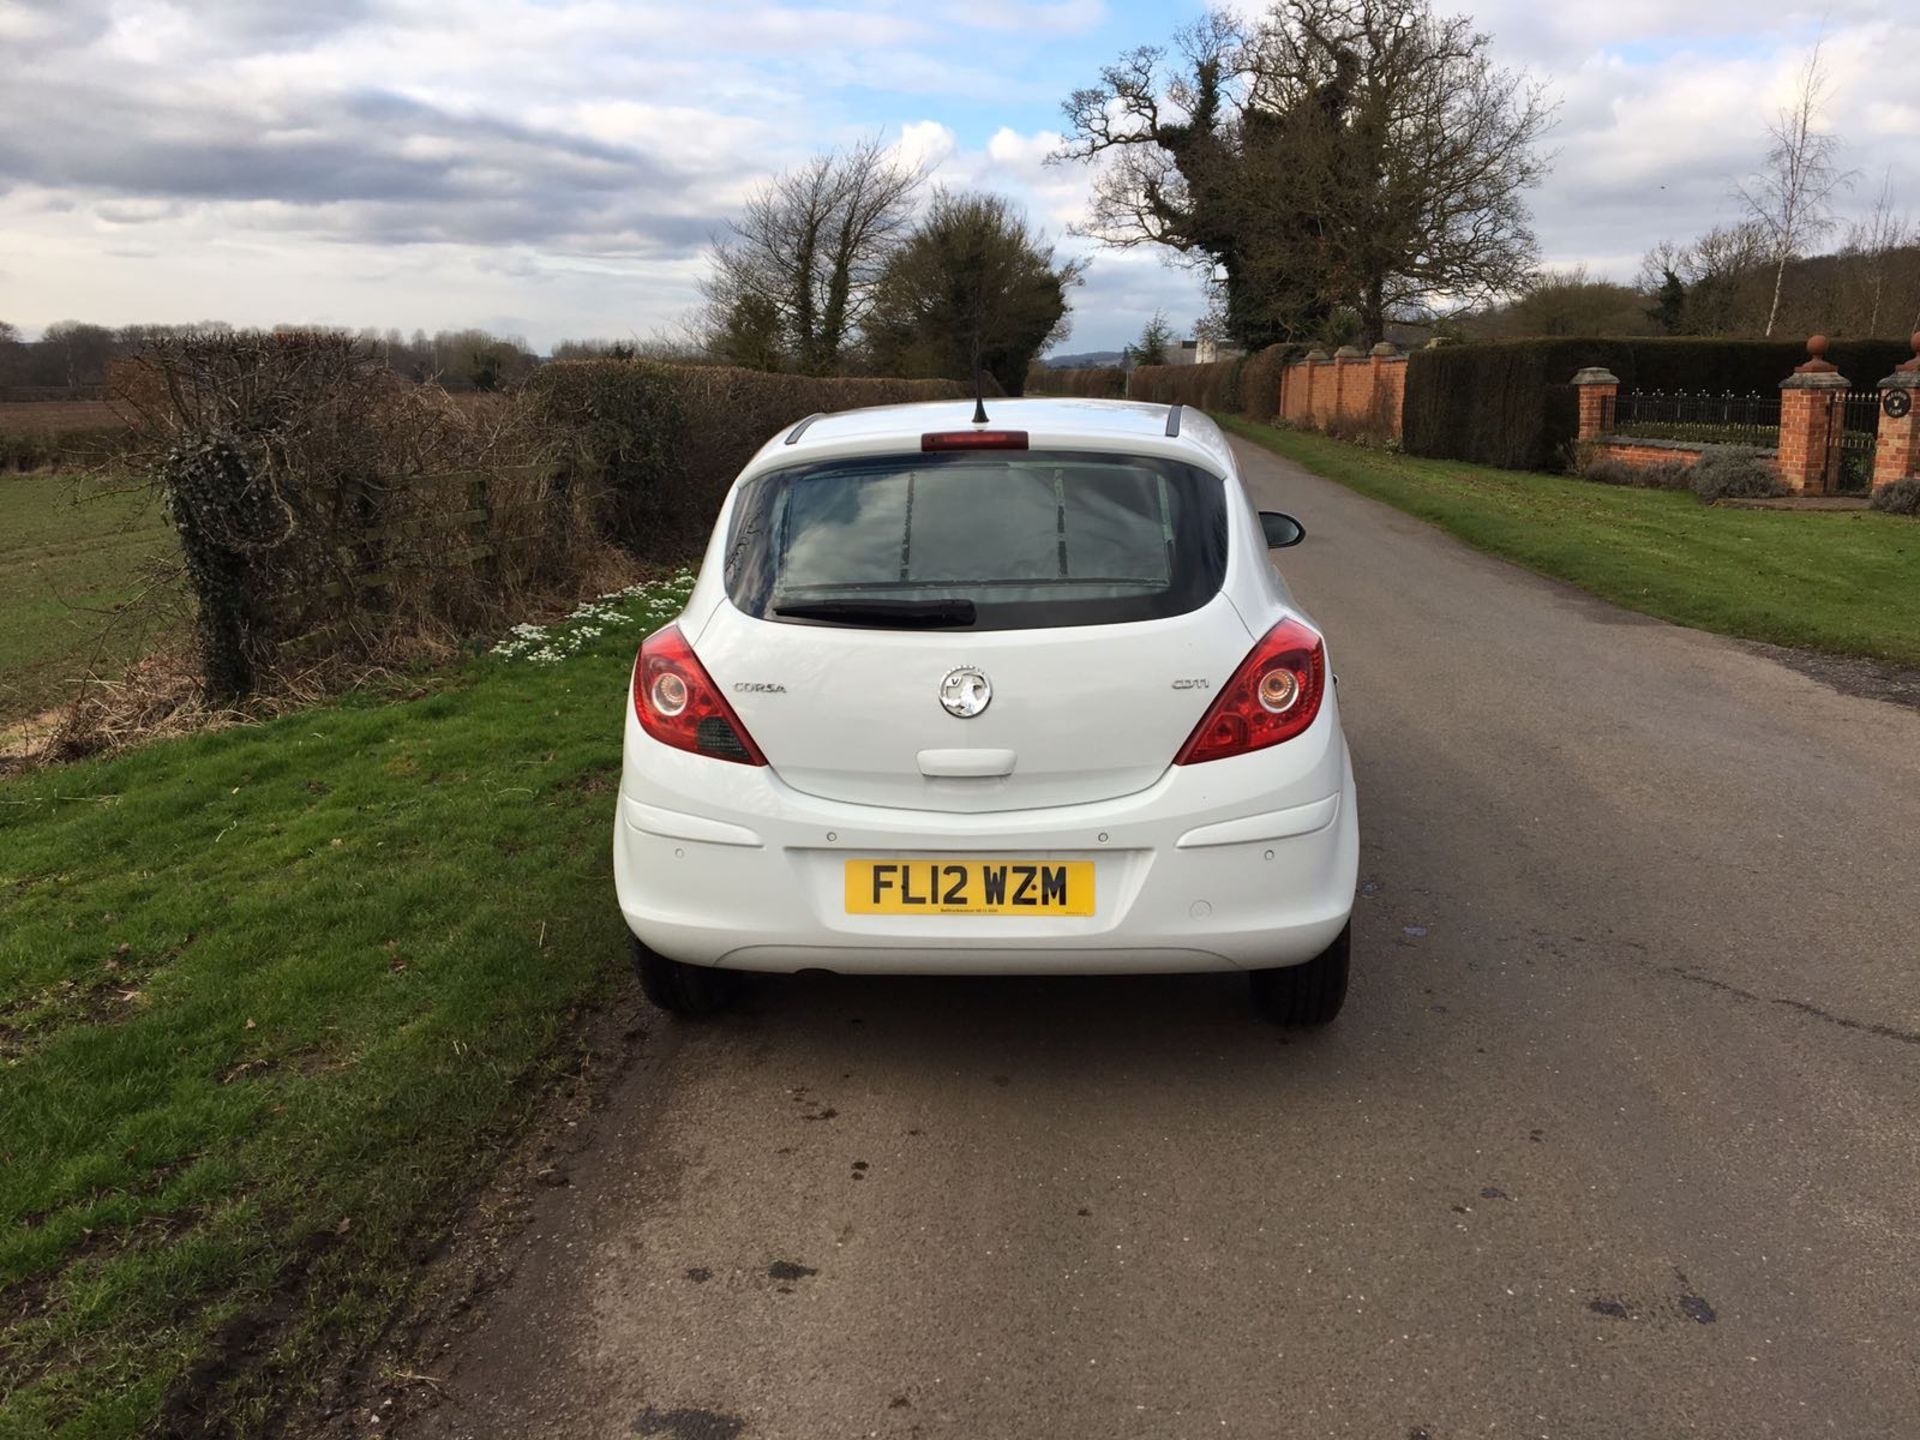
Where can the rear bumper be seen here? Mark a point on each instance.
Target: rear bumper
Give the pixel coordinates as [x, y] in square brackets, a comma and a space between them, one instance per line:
[1239, 864]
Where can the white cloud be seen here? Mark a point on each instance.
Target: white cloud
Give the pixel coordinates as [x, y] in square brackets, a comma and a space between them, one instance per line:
[561, 162]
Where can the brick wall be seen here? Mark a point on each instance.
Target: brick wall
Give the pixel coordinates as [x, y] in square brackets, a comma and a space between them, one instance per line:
[1353, 392]
[1645, 454]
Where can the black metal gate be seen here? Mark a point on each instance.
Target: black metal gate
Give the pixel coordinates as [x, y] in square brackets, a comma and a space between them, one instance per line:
[1859, 416]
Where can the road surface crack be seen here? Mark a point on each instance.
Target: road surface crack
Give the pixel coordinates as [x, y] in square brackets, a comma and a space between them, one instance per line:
[1869, 1027]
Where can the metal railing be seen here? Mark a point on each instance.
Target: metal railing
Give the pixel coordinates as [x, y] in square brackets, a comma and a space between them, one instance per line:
[1859, 412]
[1716, 419]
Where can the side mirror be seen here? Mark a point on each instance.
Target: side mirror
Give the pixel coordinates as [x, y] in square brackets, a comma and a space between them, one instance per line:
[1282, 530]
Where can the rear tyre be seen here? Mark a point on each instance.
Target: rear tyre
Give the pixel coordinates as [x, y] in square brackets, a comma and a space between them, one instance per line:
[1302, 997]
[682, 989]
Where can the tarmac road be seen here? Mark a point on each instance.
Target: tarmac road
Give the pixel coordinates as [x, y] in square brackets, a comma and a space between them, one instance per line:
[1619, 1135]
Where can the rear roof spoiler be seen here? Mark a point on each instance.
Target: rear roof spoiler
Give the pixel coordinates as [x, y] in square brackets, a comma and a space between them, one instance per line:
[1173, 421]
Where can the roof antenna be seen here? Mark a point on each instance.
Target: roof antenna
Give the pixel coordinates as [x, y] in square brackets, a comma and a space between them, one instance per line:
[979, 380]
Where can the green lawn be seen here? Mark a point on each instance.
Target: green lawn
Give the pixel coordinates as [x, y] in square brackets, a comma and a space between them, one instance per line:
[1846, 581]
[271, 999]
[73, 554]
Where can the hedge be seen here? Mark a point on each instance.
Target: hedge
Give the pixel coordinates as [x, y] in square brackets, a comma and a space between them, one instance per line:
[1260, 380]
[1510, 402]
[1098, 382]
[1245, 385]
[665, 441]
[1214, 386]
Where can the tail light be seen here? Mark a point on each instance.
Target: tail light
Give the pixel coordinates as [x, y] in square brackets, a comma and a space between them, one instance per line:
[1273, 696]
[678, 704]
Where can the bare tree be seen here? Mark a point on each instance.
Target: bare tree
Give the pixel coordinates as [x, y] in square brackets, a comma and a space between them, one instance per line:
[810, 247]
[1722, 275]
[1790, 196]
[1363, 156]
[1873, 243]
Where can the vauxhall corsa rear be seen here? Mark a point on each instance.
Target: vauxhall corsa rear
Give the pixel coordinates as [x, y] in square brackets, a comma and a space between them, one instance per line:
[1023, 696]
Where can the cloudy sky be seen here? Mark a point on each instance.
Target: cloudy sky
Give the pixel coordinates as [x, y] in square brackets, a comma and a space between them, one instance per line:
[552, 168]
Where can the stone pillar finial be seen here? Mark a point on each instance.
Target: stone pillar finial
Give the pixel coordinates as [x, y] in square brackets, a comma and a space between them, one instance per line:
[1817, 363]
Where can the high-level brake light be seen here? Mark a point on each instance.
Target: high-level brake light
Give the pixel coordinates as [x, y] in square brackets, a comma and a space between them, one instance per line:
[973, 440]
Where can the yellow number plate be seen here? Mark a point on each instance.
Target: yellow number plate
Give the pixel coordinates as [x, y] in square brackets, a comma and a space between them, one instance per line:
[969, 887]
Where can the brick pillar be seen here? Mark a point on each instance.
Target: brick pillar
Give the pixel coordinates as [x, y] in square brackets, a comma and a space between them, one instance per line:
[1383, 396]
[1597, 388]
[1811, 422]
[1349, 363]
[1316, 363]
[1896, 449]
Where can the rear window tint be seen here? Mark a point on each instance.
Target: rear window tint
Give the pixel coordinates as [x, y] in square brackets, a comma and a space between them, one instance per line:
[1029, 538]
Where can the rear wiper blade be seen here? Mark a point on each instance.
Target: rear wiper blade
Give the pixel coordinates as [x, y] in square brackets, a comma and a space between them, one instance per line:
[905, 614]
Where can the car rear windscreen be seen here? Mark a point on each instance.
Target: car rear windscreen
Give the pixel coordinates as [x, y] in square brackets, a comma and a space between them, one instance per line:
[1003, 540]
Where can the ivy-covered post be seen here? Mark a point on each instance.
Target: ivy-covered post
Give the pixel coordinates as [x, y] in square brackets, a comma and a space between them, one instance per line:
[222, 515]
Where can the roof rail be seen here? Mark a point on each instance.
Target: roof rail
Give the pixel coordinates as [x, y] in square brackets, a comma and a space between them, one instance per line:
[794, 434]
[1173, 421]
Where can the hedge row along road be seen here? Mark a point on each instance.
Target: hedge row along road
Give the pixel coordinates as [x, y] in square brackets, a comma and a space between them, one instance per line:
[1618, 1123]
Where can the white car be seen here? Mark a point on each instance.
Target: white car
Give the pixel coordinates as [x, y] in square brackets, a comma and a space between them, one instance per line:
[1023, 696]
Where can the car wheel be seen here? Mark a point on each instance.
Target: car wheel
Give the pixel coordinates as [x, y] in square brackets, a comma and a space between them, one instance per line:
[1303, 996]
[682, 989]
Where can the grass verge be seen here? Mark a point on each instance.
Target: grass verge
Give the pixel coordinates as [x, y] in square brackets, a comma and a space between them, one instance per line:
[1843, 582]
[271, 999]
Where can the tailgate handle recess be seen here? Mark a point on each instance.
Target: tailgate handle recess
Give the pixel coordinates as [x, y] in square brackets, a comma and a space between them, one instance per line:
[965, 764]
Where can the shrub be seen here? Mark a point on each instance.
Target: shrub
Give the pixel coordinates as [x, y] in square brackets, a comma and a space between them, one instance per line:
[610, 436]
[320, 499]
[1509, 403]
[1902, 497]
[1726, 472]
